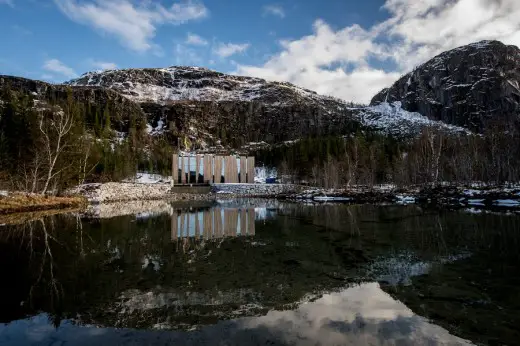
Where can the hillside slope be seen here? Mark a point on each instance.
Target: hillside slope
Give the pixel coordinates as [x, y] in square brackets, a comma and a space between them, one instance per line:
[209, 107]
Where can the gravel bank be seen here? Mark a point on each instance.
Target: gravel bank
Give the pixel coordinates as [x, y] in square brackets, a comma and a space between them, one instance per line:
[119, 192]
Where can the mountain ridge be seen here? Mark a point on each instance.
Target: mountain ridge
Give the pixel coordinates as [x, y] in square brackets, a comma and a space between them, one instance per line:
[206, 108]
[470, 86]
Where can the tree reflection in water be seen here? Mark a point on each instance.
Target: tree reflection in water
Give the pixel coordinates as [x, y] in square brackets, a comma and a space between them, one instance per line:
[195, 266]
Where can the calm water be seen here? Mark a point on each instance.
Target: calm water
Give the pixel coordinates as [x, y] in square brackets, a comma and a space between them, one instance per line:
[261, 273]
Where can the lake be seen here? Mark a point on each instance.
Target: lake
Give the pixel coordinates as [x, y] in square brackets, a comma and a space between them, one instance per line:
[261, 272]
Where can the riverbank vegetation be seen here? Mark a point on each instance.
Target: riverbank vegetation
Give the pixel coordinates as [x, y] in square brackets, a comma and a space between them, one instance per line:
[369, 159]
[21, 202]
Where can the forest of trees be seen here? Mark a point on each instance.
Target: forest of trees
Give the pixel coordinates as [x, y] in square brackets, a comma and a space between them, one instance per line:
[368, 159]
[48, 146]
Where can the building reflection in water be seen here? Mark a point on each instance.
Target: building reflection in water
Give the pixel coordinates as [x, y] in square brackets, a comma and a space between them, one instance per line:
[213, 223]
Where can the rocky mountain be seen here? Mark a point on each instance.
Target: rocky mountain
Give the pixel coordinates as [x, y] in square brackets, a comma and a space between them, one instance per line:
[209, 107]
[458, 91]
[470, 86]
[461, 89]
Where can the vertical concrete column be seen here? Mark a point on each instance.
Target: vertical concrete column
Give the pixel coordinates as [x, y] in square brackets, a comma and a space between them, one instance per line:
[224, 164]
[183, 170]
[233, 169]
[227, 175]
[197, 168]
[243, 169]
[218, 169]
[251, 169]
[175, 169]
[208, 175]
[188, 168]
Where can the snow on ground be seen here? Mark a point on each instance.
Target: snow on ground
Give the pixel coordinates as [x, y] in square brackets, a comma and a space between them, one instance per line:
[264, 173]
[473, 211]
[478, 202]
[471, 192]
[507, 203]
[390, 118]
[401, 199]
[332, 198]
[148, 178]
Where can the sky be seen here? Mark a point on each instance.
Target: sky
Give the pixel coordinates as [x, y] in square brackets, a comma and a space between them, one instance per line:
[349, 49]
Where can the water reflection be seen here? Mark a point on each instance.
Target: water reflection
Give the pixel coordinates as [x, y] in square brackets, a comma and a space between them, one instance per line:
[212, 223]
[243, 270]
[359, 315]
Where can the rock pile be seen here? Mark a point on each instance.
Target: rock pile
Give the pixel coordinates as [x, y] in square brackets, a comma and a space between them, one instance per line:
[117, 192]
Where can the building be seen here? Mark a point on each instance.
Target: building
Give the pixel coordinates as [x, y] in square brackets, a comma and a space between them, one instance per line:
[212, 169]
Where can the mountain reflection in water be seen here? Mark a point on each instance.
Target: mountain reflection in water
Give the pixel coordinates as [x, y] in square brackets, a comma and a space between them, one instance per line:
[260, 272]
[359, 315]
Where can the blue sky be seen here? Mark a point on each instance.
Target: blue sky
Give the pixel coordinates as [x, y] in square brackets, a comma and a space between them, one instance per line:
[348, 49]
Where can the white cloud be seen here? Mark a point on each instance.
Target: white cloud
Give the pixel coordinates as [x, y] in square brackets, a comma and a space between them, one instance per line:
[225, 50]
[274, 10]
[195, 40]
[103, 65]
[7, 2]
[346, 63]
[56, 66]
[134, 24]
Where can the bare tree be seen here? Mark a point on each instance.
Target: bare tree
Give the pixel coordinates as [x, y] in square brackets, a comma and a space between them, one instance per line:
[84, 170]
[430, 149]
[55, 130]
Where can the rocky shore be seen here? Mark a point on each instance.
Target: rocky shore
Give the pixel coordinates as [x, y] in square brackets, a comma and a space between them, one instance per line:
[505, 197]
[119, 192]
[446, 195]
[128, 191]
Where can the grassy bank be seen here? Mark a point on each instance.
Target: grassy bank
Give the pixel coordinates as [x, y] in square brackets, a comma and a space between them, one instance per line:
[21, 202]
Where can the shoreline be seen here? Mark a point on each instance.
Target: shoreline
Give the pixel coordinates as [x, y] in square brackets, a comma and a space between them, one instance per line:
[87, 197]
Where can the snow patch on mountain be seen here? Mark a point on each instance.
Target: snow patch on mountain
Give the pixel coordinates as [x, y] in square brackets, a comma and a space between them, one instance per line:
[392, 119]
[179, 83]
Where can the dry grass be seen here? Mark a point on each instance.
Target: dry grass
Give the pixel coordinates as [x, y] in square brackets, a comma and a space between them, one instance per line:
[21, 202]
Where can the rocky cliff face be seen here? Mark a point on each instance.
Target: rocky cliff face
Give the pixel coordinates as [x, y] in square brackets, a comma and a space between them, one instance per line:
[469, 86]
